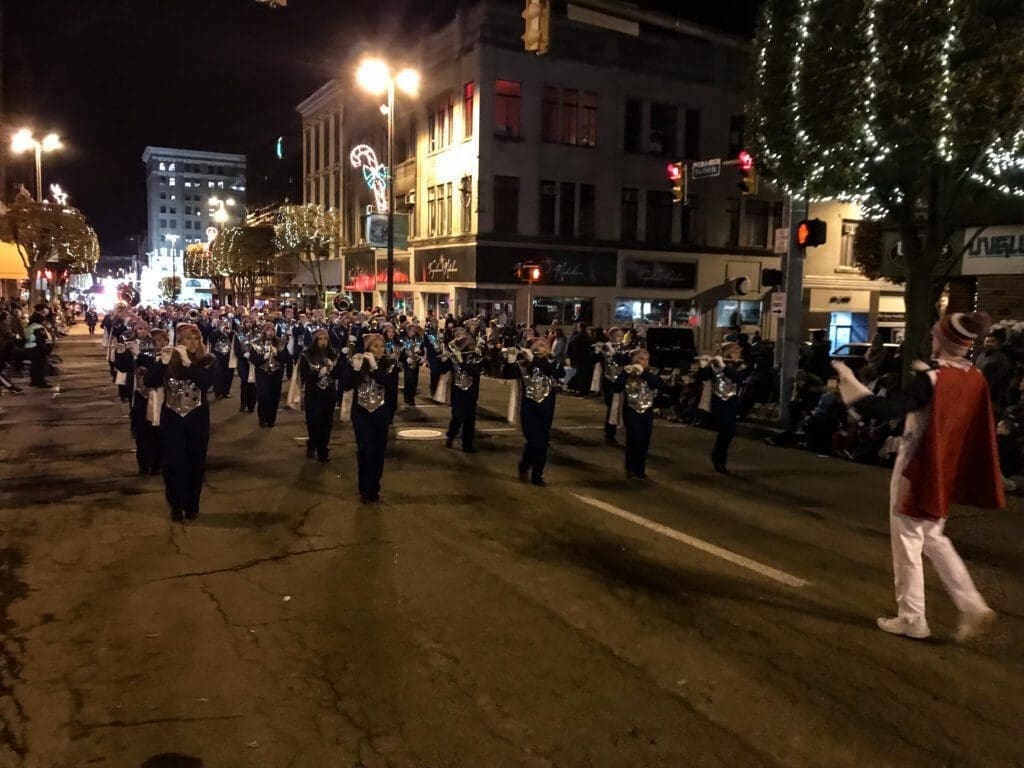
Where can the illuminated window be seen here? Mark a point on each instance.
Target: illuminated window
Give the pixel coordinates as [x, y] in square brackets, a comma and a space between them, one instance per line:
[508, 109]
[588, 120]
[172, 181]
[173, 196]
[220, 184]
[468, 94]
[163, 166]
[170, 167]
[209, 184]
[570, 116]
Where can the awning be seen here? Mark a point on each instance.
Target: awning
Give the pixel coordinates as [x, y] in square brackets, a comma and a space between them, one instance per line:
[11, 266]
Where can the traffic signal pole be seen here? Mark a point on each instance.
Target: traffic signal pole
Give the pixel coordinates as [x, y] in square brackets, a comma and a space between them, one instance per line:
[790, 334]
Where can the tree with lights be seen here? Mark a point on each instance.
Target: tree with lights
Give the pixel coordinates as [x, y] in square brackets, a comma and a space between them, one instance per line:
[47, 233]
[308, 233]
[914, 110]
[247, 254]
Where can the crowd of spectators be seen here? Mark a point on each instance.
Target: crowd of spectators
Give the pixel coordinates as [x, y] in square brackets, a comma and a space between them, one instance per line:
[28, 335]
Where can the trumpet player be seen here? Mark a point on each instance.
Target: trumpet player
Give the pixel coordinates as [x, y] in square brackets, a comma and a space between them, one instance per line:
[146, 434]
[614, 356]
[464, 365]
[633, 406]
[364, 382]
[726, 373]
[412, 359]
[392, 352]
[241, 343]
[269, 355]
[539, 375]
[319, 369]
[185, 373]
[221, 342]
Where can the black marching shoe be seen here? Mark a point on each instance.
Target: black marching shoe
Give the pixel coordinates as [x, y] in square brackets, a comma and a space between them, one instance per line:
[539, 482]
[192, 515]
[720, 468]
[176, 515]
[310, 452]
[470, 449]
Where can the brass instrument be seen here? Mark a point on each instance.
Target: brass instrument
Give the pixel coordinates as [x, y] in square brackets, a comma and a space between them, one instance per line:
[342, 303]
[193, 315]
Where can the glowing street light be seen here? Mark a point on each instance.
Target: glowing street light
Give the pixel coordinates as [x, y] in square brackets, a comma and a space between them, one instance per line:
[221, 214]
[374, 76]
[24, 141]
[173, 240]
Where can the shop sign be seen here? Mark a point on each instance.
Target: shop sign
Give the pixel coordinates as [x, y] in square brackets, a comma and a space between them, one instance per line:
[994, 251]
[402, 274]
[497, 264]
[892, 317]
[680, 276]
[375, 230]
[446, 265]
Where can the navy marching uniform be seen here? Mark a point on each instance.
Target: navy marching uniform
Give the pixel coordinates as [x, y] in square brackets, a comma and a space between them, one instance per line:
[538, 379]
[614, 357]
[270, 356]
[637, 387]
[367, 382]
[465, 368]
[319, 370]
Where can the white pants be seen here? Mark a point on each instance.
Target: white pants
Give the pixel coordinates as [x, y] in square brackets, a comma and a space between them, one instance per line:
[912, 536]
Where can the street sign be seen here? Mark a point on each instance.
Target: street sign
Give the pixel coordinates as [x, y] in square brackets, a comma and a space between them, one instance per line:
[778, 308]
[706, 169]
[782, 241]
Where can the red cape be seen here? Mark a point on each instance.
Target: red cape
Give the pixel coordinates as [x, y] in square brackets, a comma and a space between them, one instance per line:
[957, 461]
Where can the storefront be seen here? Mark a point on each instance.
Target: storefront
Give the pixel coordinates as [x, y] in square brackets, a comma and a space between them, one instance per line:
[844, 314]
[642, 277]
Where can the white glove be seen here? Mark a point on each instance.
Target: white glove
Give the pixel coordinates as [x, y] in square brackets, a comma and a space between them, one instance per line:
[528, 354]
[357, 361]
[165, 355]
[703, 361]
[246, 355]
[718, 361]
[183, 354]
[372, 360]
[635, 369]
[120, 347]
[843, 371]
[345, 351]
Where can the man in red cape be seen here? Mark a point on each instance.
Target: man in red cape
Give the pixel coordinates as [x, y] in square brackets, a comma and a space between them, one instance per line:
[947, 455]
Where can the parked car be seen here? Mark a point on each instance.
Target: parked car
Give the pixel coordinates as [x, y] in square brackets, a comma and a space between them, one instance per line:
[853, 354]
[671, 348]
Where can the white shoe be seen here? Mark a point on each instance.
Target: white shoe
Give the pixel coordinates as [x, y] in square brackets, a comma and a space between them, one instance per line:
[1009, 485]
[974, 624]
[916, 628]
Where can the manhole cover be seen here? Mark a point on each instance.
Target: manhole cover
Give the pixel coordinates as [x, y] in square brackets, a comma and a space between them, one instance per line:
[420, 434]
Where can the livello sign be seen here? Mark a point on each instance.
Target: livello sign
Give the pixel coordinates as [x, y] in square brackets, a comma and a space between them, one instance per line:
[446, 265]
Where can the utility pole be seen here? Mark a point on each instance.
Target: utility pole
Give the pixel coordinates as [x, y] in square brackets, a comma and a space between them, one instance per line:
[790, 334]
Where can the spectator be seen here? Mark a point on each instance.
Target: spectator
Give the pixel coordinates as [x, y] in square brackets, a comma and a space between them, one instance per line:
[995, 367]
[816, 359]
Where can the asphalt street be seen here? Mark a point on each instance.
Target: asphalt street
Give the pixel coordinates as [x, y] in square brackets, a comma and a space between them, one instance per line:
[469, 619]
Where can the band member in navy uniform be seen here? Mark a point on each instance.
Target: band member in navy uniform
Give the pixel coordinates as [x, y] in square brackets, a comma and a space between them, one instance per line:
[301, 339]
[392, 351]
[220, 346]
[726, 373]
[319, 368]
[636, 387]
[270, 356]
[539, 375]
[364, 383]
[464, 365]
[147, 435]
[185, 372]
[614, 355]
[412, 359]
[242, 340]
[124, 364]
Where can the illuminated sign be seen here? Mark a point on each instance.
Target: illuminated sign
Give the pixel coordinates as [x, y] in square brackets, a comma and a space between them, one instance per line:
[375, 174]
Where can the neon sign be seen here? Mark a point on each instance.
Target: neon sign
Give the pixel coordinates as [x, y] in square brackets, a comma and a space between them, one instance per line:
[375, 174]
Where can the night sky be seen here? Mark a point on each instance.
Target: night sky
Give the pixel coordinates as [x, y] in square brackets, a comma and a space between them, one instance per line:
[111, 76]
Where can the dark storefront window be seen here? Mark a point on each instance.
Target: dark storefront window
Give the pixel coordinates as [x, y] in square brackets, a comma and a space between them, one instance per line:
[559, 311]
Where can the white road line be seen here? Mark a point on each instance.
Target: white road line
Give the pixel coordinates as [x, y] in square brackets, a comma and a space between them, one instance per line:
[744, 562]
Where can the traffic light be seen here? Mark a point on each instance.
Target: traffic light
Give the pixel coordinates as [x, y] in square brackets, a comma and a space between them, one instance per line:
[677, 178]
[537, 15]
[748, 178]
[771, 278]
[810, 233]
[528, 272]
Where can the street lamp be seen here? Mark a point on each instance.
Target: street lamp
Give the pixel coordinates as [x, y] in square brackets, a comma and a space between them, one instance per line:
[375, 77]
[173, 239]
[221, 214]
[24, 141]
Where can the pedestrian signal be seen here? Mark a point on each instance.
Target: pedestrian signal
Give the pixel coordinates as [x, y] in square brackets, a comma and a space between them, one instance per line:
[748, 178]
[676, 173]
[811, 233]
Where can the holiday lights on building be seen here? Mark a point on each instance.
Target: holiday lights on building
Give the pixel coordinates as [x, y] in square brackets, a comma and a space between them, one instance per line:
[375, 174]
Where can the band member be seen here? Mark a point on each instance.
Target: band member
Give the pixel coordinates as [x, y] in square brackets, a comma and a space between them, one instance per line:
[635, 389]
[319, 368]
[186, 373]
[412, 359]
[91, 318]
[147, 434]
[947, 455]
[464, 365]
[614, 355]
[285, 328]
[433, 347]
[124, 364]
[726, 372]
[246, 370]
[364, 383]
[392, 352]
[221, 342]
[539, 375]
[301, 339]
[269, 355]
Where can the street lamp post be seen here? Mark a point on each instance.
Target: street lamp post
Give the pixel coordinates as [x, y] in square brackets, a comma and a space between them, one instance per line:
[24, 141]
[375, 77]
[173, 239]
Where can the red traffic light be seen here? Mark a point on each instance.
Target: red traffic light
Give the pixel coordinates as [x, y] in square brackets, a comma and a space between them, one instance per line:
[674, 171]
[746, 161]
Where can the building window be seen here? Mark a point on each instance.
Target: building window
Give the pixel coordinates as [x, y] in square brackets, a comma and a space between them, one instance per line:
[188, 209]
[163, 180]
[732, 210]
[172, 223]
[630, 214]
[555, 310]
[163, 223]
[468, 96]
[432, 211]
[173, 196]
[567, 210]
[849, 234]
[633, 125]
[163, 195]
[508, 113]
[588, 120]
[587, 210]
[737, 125]
[691, 135]
[758, 217]
[570, 116]
[188, 184]
[188, 224]
[174, 209]
[163, 166]
[549, 116]
[664, 126]
[209, 184]
[506, 204]
[687, 220]
[466, 196]
[449, 200]
[659, 217]
[163, 209]
[548, 200]
[171, 181]
[440, 122]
